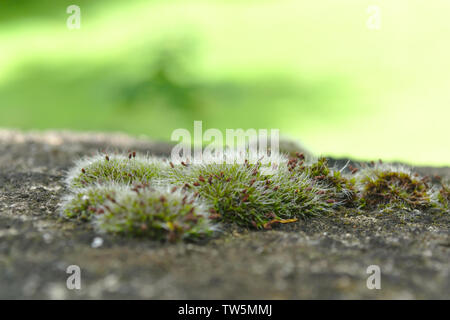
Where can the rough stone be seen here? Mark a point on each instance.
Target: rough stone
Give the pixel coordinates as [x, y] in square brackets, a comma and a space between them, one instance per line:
[325, 257]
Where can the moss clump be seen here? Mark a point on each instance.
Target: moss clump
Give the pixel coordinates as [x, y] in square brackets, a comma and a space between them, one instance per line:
[394, 188]
[444, 196]
[116, 169]
[341, 190]
[156, 214]
[140, 211]
[84, 203]
[242, 194]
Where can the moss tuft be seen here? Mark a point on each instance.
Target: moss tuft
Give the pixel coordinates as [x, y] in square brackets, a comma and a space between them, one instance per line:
[444, 196]
[243, 194]
[84, 203]
[388, 188]
[156, 214]
[122, 169]
[141, 211]
[340, 189]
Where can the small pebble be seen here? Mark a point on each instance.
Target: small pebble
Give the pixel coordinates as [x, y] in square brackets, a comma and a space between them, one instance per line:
[97, 242]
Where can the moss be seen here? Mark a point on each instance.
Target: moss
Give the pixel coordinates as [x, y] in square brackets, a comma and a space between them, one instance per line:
[84, 203]
[116, 168]
[242, 194]
[156, 214]
[444, 196]
[115, 193]
[141, 211]
[341, 190]
[394, 188]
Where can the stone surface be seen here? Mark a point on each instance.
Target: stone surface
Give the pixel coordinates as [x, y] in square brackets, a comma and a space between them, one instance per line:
[324, 257]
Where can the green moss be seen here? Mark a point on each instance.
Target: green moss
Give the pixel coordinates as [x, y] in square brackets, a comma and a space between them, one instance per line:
[114, 192]
[444, 196]
[242, 194]
[389, 189]
[340, 189]
[116, 168]
[156, 214]
[84, 203]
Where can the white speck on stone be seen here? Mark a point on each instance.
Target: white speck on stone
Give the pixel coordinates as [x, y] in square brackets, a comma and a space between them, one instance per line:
[47, 237]
[97, 242]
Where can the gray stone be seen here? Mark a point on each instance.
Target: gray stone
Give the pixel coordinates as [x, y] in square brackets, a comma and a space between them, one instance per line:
[325, 257]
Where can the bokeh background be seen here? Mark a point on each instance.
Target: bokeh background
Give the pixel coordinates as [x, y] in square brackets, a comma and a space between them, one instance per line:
[313, 69]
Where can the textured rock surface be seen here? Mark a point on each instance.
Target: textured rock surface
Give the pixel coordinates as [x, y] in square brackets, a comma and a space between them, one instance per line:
[317, 258]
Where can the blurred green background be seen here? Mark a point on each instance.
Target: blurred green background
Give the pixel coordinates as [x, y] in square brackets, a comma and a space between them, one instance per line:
[313, 69]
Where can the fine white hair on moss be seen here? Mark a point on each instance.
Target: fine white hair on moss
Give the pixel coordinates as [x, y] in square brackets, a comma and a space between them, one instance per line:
[83, 203]
[123, 169]
[387, 187]
[168, 214]
[155, 198]
[383, 167]
[241, 193]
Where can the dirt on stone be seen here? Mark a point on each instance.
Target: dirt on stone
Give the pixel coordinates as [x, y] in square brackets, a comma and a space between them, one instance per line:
[318, 258]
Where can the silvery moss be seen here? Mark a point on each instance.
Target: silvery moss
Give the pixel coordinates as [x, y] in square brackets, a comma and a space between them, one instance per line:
[386, 187]
[154, 198]
[340, 187]
[84, 203]
[249, 195]
[159, 214]
[123, 169]
[141, 211]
